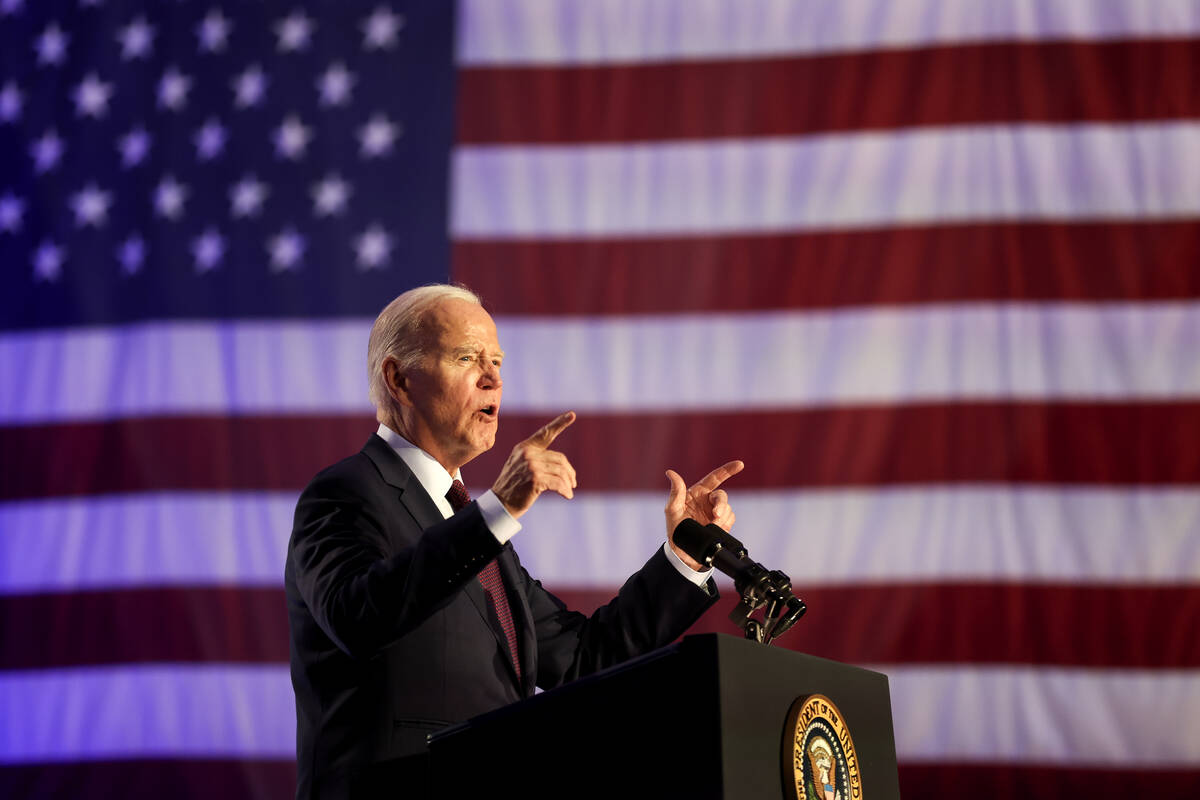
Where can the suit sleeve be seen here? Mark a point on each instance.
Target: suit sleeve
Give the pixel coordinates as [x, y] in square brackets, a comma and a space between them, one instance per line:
[365, 589]
[655, 606]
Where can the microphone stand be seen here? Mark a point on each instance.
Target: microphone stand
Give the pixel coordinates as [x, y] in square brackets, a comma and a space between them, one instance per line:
[771, 592]
[759, 588]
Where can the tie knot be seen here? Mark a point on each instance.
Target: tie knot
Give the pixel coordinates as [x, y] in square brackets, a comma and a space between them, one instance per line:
[458, 495]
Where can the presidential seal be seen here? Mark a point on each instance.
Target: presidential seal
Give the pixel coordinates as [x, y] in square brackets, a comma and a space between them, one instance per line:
[819, 762]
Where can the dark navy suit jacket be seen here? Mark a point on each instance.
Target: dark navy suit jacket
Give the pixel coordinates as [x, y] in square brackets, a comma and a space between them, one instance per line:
[391, 635]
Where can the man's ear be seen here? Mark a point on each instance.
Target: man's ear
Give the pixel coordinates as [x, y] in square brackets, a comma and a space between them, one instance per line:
[396, 381]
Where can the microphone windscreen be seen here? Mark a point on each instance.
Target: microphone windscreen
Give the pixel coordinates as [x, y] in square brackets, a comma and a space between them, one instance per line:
[695, 539]
[727, 541]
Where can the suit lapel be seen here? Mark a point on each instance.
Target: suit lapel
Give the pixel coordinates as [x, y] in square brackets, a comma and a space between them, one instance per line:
[396, 474]
[424, 511]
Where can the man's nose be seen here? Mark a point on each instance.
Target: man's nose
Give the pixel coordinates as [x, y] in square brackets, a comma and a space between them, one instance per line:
[491, 376]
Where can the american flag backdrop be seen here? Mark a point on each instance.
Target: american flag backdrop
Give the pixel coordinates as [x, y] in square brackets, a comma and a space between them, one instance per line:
[930, 268]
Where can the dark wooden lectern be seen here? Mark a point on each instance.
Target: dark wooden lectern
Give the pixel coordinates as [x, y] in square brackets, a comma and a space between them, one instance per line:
[703, 718]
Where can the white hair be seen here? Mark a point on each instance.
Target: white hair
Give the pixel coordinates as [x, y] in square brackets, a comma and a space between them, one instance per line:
[399, 332]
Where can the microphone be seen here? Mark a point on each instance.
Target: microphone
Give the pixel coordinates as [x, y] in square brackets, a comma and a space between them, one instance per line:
[715, 547]
[702, 541]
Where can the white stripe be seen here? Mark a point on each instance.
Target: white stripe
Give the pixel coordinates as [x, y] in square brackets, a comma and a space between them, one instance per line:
[967, 173]
[184, 539]
[184, 368]
[846, 357]
[827, 537]
[932, 534]
[570, 32]
[192, 711]
[1043, 715]
[619, 363]
[1115, 718]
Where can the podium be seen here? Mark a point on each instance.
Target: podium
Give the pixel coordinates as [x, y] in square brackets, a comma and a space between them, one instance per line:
[702, 718]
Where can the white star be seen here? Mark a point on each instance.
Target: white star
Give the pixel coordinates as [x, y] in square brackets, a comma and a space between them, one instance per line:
[249, 87]
[91, 206]
[92, 96]
[46, 151]
[134, 146]
[380, 29]
[173, 89]
[294, 32]
[10, 7]
[169, 197]
[10, 102]
[12, 208]
[291, 138]
[213, 31]
[48, 261]
[207, 250]
[51, 46]
[131, 254]
[137, 39]
[374, 248]
[287, 248]
[330, 196]
[247, 196]
[335, 85]
[377, 136]
[209, 140]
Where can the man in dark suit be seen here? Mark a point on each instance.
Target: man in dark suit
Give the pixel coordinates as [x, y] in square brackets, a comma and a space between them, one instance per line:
[407, 605]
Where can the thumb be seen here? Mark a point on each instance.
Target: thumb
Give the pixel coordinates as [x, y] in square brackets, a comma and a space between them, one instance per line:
[675, 499]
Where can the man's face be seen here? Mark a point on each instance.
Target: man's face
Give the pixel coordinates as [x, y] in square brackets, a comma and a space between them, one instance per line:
[453, 397]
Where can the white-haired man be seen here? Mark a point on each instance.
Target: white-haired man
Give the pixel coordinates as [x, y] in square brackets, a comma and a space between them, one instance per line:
[407, 605]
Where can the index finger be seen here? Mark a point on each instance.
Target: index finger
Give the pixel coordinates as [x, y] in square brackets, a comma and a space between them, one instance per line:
[719, 475]
[546, 434]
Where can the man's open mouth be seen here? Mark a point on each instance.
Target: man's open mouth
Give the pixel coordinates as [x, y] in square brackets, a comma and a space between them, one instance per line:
[491, 410]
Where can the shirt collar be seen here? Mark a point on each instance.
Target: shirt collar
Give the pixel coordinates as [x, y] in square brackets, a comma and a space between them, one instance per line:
[429, 473]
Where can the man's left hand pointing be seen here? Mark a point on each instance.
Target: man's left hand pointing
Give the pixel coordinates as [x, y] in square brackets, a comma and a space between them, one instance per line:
[703, 502]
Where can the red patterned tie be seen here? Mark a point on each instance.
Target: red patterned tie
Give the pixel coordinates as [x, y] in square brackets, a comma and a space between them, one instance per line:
[492, 583]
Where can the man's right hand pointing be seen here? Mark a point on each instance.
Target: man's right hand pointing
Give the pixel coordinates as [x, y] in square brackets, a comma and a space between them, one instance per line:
[533, 468]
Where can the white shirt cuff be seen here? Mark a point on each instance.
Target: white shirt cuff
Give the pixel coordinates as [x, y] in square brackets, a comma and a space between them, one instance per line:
[502, 524]
[699, 578]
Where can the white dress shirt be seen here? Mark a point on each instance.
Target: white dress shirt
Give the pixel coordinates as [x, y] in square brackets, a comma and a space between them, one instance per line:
[436, 482]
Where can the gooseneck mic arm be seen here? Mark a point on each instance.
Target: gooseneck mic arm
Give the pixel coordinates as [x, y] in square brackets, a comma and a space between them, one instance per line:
[759, 587]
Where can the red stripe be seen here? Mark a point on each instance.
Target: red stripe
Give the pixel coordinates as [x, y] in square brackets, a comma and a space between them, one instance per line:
[250, 780]
[1075, 626]
[148, 453]
[139, 625]
[1113, 626]
[178, 779]
[977, 83]
[1003, 261]
[1068, 443]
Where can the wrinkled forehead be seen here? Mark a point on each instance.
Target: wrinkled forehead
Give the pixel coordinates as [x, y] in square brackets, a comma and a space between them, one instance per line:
[455, 323]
